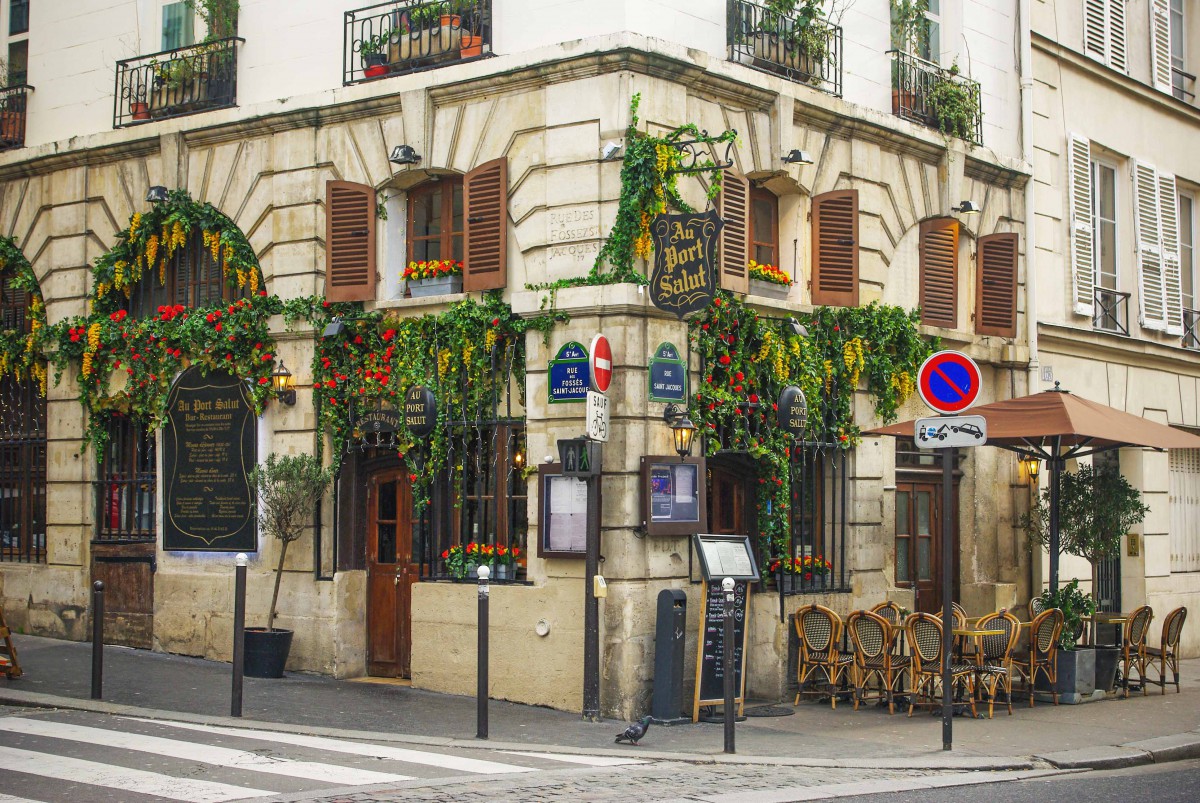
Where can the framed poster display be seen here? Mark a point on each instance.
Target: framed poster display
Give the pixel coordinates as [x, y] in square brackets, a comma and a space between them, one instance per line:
[562, 519]
[674, 501]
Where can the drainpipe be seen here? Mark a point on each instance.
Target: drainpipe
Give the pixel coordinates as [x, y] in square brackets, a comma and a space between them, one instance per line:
[1025, 33]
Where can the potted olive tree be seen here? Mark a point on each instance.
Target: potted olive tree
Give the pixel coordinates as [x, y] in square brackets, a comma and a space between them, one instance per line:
[288, 488]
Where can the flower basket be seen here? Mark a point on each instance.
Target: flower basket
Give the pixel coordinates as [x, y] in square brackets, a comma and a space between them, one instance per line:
[769, 289]
[437, 286]
[434, 277]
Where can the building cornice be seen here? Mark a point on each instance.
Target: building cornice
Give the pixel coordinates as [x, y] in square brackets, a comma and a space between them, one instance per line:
[1074, 341]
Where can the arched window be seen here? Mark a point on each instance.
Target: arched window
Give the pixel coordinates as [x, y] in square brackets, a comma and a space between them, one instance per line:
[193, 275]
[436, 220]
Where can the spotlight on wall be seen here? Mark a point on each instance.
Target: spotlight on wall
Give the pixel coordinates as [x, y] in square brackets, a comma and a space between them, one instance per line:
[966, 208]
[404, 155]
[335, 328]
[682, 429]
[281, 383]
[797, 157]
[797, 328]
[610, 151]
[1033, 467]
[157, 194]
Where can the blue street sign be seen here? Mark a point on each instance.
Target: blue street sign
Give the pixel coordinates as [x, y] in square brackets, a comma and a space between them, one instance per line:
[668, 375]
[570, 376]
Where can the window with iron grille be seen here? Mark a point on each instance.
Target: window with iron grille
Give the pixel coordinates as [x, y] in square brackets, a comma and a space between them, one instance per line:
[191, 276]
[125, 492]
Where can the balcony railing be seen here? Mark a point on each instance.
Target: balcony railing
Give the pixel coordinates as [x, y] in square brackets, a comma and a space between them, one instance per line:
[173, 83]
[937, 97]
[1191, 338]
[1112, 311]
[12, 116]
[405, 36]
[810, 53]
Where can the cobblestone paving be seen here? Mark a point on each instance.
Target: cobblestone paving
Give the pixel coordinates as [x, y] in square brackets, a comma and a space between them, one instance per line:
[661, 780]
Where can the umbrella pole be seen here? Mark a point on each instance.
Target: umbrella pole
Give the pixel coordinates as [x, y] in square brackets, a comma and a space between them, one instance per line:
[1056, 467]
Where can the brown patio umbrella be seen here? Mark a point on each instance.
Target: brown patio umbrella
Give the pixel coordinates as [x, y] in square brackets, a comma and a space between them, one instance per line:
[1057, 426]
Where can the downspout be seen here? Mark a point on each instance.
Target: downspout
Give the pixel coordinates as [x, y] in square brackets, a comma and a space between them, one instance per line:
[1025, 36]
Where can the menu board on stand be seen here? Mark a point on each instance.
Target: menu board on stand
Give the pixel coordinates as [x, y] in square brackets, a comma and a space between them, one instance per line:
[722, 556]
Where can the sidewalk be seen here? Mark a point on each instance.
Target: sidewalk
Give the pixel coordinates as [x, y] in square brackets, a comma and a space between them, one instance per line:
[1106, 734]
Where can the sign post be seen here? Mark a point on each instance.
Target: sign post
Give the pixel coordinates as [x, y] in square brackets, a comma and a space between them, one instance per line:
[580, 457]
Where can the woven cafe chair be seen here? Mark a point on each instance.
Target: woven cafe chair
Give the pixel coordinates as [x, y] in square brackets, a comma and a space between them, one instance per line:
[820, 632]
[994, 668]
[874, 658]
[1133, 647]
[1036, 606]
[960, 613]
[1167, 654]
[890, 611]
[925, 640]
[1044, 632]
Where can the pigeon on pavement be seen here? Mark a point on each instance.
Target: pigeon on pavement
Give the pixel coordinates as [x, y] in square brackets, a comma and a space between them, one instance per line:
[634, 732]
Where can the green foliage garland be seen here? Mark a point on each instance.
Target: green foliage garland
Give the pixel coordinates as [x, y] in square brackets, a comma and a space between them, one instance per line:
[748, 359]
[20, 351]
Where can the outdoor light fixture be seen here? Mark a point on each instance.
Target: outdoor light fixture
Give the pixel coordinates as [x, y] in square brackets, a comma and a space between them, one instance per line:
[1033, 466]
[404, 155]
[519, 459]
[682, 428]
[610, 150]
[966, 208]
[335, 328]
[797, 328]
[157, 194]
[797, 157]
[281, 383]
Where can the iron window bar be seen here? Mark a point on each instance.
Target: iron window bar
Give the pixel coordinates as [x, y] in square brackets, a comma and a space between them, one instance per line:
[778, 43]
[1177, 88]
[1191, 338]
[22, 471]
[175, 83]
[13, 102]
[407, 36]
[917, 85]
[1111, 311]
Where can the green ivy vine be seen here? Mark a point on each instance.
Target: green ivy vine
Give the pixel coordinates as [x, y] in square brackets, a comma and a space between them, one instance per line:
[21, 351]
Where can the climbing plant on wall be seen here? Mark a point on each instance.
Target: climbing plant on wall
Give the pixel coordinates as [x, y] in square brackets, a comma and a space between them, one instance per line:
[20, 351]
[747, 359]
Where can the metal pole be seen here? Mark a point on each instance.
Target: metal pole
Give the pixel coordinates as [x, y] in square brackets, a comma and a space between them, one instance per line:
[1056, 468]
[591, 607]
[239, 633]
[481, 687]
[948, 558]
[730, 671]
[97, 640]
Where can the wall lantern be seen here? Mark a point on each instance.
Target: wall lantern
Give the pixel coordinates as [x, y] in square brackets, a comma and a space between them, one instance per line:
[682, 428]
[966, 208]
[404, 155]
[797, 157]
[1033, 467]
[281, 383]
[157, 194]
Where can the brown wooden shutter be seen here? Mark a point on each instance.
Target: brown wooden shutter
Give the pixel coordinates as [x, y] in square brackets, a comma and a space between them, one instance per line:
[485, 191]
[349, 241]
[735, 235]
[835, 249]
[939, 272]
[996, 285]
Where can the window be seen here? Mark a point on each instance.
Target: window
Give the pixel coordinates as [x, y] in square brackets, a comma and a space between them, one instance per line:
[190, 277]
[492, 487]
[939, 272]
[1104, 224]
[1187, 255]
[1104, 32]
[764, 227]
[1177, 53]
[177, 26]
[128, 482]
[18, 60]
[435, 220]
[1185, 508]
[18, 17]
[931, 47]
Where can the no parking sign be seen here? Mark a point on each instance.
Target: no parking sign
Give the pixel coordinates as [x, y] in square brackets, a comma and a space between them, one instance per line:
[948, 382]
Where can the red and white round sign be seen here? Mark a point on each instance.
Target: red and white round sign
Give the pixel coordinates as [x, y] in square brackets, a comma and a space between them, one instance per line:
[602, 363]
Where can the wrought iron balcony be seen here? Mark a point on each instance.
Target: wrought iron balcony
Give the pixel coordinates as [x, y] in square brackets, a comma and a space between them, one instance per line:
[1191, 338]
[12, 116]
[808, 52]
[173, 83]
[1112, 311]
[937, 97]
[405, 36]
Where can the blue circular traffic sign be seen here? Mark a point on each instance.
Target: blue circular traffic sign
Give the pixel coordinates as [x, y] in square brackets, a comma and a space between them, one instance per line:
[948, 382]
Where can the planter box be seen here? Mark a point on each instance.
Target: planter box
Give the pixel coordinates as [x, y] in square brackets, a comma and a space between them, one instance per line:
[772, 52]
[168, 99]
[796, 584]
[12, 126]
[769, 289]
[424, 44]
[1107, 661]
[1076, 677]
[437, 286]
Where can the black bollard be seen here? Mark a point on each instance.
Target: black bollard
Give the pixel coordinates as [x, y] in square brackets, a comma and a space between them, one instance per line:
[727, 666]
[97, 640]
[481, 689]
[239, 633]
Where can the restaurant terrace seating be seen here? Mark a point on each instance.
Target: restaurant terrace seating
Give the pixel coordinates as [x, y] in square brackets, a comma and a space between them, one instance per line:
[1044, 631]
[820, 631]
[1167, 654]
[890, 611]
[1133, 647]
[995, 659]
[925, 639]
[873, 657]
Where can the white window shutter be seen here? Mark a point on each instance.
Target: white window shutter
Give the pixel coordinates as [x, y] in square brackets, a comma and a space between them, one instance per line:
[1083, 276]
[1168, 221]
[1160, 44]
[1149, 250]
[1116, 35]
[1095, 27]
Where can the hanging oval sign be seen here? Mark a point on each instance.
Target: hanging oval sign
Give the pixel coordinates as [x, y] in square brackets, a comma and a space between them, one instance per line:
[420, 410]
[793, 411]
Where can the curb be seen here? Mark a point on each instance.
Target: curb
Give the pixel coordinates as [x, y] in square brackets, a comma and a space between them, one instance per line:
[1158, 750]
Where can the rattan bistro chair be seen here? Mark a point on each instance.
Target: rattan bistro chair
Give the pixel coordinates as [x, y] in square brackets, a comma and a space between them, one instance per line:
[1133, 647]
[1167, 654]
[994, 669]
[820, 632]
[925, 640]
[1044, 632]
[873, 657]
[890, 611]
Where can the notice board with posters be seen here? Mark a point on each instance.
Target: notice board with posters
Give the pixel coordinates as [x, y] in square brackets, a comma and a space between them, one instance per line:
[563, 505]
[674, 498]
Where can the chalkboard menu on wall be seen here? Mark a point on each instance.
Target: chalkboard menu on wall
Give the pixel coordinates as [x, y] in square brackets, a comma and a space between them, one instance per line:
[209, 448]
[710, 671]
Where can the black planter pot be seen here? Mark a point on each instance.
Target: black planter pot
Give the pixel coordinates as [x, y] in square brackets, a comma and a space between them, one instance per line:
[266, 652]
[1076, 671]
[1107, 660]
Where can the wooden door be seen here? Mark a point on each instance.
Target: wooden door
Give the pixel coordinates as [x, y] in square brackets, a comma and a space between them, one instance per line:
[727, 501]
[127, 571]
[391, 571]
[918, 543]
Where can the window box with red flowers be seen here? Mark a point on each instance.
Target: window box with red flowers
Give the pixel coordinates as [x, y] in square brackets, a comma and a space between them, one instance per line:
[434, 277]
[801, 575]
[768, 280]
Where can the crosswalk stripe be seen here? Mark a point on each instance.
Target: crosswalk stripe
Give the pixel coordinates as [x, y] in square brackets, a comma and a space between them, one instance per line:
[147, 783]
[192, 751]
[457, 763]
[11, 799]
[591, 761]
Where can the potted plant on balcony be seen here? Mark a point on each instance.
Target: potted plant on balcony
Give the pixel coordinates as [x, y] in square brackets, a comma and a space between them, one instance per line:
[792, 35]
[768, 280]
[425, 31]
[288, 489]
[10, 118]
[373, 51]
[953, 104]
[433, 277]
[910, 34]
[177, 85]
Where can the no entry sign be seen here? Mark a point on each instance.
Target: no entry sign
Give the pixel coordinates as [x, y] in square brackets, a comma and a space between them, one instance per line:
[602, 364]
[948, 382]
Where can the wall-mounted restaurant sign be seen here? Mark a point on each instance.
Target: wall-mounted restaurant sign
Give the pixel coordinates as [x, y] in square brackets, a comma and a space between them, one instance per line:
[685, 248]
[569, 374]
[668, 375]
[420, 410]
[793, 411]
